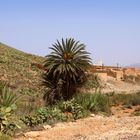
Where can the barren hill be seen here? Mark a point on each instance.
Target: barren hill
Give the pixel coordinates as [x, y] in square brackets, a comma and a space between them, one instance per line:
[17, 70]
[20, 71]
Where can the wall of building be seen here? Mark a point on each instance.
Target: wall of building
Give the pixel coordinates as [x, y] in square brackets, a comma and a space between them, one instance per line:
[117, 73]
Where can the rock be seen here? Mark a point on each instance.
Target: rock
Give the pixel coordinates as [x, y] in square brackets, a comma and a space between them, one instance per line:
[100, 116]
[71, 123]
[60, 125]
[30, 139]
[32, 134]
[92, 115]
[47, 126]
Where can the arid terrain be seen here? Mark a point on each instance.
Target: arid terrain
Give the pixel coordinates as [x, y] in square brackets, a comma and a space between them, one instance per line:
[120, 126]
[22, 72]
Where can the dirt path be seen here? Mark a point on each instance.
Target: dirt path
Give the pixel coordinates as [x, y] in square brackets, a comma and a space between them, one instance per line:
[120, 126]
[92, 128]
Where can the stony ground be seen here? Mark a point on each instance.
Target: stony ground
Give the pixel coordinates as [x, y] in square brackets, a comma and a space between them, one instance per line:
[120, 126]
[120, 87]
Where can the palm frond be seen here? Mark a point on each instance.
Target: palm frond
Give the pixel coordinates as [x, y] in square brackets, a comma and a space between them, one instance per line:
[68, 61]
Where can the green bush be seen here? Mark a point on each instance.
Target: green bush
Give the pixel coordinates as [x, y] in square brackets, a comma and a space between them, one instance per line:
[93, 81]
[8, 101]
[52, 114]
[31, 120]
[125, 99]
[78, 107]
[74, 108]
[7, 97]
[94, 102]
[5, 137]
[58, 112]
[2, 85]
[6, 125]
[44, 115]
[136, 113]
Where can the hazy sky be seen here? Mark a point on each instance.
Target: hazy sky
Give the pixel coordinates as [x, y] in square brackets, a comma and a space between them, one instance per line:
[109, 28]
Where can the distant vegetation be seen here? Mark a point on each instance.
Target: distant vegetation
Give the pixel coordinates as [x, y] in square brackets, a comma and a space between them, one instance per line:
[125, 99]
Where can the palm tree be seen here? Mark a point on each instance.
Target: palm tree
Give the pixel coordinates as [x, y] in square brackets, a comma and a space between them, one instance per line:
[66, 66]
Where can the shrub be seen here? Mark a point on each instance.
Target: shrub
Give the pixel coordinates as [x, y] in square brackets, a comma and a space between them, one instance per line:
[52, 114]
[136, 113]
[2, 85]
[74, 108]
[93, 81]
[125, 99]
[94, 102]
[62, 111]
[6, 125]
[7, 97]
[44, 115]
[5, 137]
[8, 101]
[32, 120]
[78, 107]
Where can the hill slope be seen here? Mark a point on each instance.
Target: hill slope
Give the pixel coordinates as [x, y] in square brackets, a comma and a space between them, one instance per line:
[17, 71]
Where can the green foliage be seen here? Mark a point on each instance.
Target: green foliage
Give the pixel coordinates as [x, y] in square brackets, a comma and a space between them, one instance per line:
[66, 66]
[8, 97]
[94, 102]
[44, 115]
[63, 111]
[8, 101]
[2, 85]
[4, 114]
[136, 113]
[52, 114]
[53, 90]
[6, 125]
[93, 82]
[5, 137]
[125, 99]
[78, 107]
[74, 108]
[32, 120]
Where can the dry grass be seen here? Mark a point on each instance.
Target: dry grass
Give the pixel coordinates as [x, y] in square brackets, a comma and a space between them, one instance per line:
[17, 72]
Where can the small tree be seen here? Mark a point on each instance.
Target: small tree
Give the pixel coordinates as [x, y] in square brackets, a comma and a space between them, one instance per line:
[66, 66]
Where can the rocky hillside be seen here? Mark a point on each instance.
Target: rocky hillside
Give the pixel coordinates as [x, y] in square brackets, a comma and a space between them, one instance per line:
[19, 70]
[22, 71]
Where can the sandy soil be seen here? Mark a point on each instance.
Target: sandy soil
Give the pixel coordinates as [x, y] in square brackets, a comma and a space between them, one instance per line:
[117, 127]
[119, 87]
[120, 126]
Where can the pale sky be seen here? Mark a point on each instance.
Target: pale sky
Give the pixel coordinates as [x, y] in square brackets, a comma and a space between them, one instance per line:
[109, 28]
